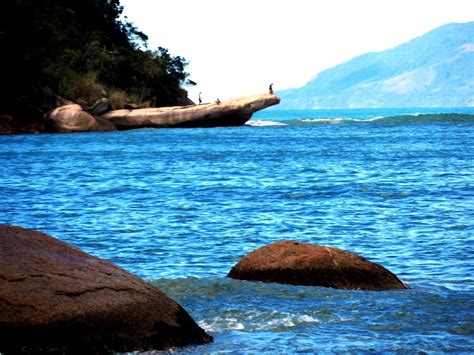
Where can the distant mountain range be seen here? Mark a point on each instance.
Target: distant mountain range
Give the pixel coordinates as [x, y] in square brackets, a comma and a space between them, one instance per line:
[434, 70]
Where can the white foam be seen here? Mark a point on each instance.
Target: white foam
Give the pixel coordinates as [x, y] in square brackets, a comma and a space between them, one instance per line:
[239, 326]
[307, 319]
[286, 320]
[256, 321]
[343, 120]
[221, 324]
[319, 120]
[378, 118]
[265, 123]
[329, 120]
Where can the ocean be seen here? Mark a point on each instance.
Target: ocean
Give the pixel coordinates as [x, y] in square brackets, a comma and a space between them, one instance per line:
[179, 207]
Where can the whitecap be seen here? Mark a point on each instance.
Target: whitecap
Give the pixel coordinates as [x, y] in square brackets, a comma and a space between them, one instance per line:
[286, 320]
[220, 324]
[265, 123]
[327, 120]
[307, 319]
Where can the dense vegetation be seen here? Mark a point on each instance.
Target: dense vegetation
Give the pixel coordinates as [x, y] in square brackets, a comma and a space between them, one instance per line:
[81, 50]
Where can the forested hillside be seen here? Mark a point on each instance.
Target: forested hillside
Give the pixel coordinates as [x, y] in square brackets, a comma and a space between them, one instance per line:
[80, 50]
[434, 70]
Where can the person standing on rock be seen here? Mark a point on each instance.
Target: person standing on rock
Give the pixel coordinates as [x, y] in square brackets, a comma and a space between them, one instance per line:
[270, 89]
[199, 99]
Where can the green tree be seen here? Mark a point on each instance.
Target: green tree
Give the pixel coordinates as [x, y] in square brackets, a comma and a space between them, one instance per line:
[79, 49]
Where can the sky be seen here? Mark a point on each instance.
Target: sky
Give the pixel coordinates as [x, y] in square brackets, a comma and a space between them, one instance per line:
[238, 47]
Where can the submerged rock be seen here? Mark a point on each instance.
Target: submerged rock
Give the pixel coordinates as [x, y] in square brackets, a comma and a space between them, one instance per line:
[54, 297]
[235, 112]
[295, 263]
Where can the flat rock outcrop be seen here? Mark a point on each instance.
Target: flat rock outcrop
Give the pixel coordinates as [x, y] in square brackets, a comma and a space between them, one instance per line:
[56, 298]
[72, 118]
[233, 112]
[295, 263]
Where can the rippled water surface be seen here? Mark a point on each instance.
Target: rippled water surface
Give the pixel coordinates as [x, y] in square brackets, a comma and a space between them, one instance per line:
[180, 207]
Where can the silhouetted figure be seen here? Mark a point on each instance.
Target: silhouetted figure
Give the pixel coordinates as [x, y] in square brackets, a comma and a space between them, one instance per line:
[199, 99]
[218, 102]
[270, 89]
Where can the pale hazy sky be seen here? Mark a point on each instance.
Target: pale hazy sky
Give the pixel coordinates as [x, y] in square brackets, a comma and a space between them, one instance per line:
[238, 47]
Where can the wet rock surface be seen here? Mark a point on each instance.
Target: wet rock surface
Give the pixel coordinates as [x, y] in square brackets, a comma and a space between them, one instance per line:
[296, 263]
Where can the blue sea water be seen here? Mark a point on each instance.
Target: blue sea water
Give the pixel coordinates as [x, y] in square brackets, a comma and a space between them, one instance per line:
[180, 207]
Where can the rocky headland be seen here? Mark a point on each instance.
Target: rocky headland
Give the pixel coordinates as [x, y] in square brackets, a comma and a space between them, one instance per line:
[71, 117]
[234, 112]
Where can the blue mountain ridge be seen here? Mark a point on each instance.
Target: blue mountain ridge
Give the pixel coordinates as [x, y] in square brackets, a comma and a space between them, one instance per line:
[433, 70]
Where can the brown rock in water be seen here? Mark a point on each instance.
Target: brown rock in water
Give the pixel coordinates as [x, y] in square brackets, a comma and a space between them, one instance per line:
[72, 118]
[234, 112]
[295, 263]
[56, 298]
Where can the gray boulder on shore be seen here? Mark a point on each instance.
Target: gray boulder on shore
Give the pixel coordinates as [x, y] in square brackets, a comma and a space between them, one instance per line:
[101, 106]
[56, 298]
[296, 263]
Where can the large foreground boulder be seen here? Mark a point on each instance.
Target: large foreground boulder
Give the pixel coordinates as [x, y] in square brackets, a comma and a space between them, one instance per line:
[235, 112]
[295, 263]
[56, 298]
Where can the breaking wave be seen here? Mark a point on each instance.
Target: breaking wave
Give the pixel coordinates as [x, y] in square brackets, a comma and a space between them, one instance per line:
[257, 321]
[265, 123]
[388, 120]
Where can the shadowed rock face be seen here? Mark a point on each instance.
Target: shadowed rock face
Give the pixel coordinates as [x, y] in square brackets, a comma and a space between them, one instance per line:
[7, 125]
[297, 263]
[228, 113]
[56, 298]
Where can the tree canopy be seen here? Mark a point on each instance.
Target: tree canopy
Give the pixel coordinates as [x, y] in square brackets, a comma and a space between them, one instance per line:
[81, 50]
